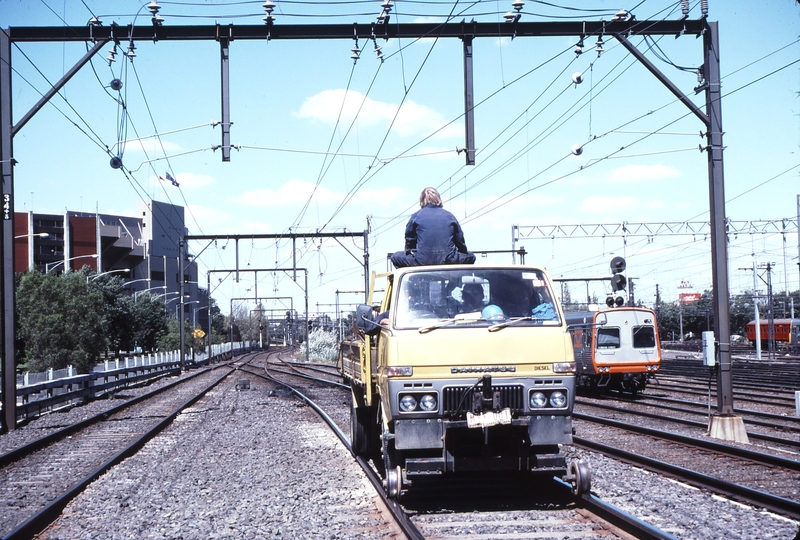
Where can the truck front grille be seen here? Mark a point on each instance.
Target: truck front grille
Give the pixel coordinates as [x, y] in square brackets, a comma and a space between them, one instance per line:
[511, 396]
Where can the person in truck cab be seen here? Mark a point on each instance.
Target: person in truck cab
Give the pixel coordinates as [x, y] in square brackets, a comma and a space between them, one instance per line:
[471, 298]
[433, 236]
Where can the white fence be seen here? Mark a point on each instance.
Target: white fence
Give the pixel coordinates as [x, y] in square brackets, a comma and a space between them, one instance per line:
[128, 362]
[42, 392]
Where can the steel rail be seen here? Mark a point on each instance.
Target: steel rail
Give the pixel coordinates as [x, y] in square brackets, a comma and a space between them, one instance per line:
[744, 382]
[736, 491]
[777, 401]
[298, 373]
[734, 451]
[616, 516]
[401, 518]
[18, 453]
[693, 423]
[44, 517]
[749, 412]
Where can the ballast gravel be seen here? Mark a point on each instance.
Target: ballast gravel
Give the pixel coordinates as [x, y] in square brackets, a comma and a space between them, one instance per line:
[241, 464]
[681, 510]
[257, 463]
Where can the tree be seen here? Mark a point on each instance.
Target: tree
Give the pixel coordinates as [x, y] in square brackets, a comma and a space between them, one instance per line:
[60, 321]
[149, 321]
[218, 326]
[118, 310]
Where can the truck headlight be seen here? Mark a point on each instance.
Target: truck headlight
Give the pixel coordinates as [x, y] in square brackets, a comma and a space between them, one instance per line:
[558, 399]
[408, 403]
[428, 403]
[538, 400]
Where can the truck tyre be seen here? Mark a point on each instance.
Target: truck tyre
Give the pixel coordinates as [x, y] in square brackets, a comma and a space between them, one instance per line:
[360, 429]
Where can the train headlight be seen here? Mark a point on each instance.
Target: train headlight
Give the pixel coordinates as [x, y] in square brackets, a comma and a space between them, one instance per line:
[408, 403]
[558, 399]
[538, 400]
[428, 403]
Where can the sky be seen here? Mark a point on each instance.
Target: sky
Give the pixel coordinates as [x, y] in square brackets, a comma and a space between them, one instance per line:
[323, 143]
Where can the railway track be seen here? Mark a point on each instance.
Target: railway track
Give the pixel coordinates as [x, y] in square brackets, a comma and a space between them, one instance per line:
[478, 506]
[39, 479]
[754, 477]
[550, 508]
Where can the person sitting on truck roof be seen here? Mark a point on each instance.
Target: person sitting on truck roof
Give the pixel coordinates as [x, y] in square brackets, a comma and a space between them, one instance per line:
[433, 236]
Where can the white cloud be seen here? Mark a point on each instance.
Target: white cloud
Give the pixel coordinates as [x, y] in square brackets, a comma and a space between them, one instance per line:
[413, 119]
[205, 214]
[192, 180]
[290, 193]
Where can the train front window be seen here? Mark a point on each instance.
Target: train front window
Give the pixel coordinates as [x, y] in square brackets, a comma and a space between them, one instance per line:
[644, 337]
[608, 338]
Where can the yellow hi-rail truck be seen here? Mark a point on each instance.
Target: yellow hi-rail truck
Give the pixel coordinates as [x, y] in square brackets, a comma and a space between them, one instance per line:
[462, 368]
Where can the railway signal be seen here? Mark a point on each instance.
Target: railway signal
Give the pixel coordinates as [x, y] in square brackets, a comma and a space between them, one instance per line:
[618, 283]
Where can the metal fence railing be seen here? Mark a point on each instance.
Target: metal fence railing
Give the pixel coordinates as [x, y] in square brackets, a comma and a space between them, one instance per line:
[38, 393]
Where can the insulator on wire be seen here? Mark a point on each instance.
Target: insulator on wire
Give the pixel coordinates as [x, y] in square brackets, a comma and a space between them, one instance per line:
[704, 8]
[685, 8]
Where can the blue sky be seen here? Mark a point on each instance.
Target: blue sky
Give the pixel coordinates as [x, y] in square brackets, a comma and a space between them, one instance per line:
[371, 135]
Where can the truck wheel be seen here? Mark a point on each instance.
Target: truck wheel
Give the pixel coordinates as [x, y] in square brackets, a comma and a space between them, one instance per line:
[360, 429]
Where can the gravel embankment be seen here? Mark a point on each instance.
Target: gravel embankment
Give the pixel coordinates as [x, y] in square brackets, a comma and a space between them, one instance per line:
[259, 464]
[241, 464]
[679, 509]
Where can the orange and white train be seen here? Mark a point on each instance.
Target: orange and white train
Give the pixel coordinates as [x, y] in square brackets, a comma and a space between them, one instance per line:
[615, 349]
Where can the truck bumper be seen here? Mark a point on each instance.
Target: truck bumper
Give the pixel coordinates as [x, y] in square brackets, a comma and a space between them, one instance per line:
[436, 446]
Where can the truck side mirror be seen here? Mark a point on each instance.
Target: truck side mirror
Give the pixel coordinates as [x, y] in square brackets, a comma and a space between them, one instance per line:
[364, 313]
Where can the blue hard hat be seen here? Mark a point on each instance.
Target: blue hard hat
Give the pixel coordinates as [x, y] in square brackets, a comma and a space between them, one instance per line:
[493, 313]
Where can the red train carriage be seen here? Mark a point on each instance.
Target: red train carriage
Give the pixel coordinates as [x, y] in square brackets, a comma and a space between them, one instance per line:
[615, 349]
[787, 331]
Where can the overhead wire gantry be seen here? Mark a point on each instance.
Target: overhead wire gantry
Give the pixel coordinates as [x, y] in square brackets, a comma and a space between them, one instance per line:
[619, 28]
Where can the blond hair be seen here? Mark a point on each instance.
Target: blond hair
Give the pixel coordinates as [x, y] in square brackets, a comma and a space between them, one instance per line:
[428, 196]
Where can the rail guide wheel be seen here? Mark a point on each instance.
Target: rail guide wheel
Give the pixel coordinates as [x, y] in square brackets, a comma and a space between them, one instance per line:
[394, 482]
[579, 475]
[393, 479]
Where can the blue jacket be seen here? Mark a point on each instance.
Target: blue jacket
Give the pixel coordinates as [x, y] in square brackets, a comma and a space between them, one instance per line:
[436, 236]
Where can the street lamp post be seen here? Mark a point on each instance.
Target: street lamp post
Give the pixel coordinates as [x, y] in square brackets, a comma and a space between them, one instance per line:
[177, 306]
[194, 314]
[136, 281]
[30, 245]
[136, 293]
[94, 277]
[50, 266]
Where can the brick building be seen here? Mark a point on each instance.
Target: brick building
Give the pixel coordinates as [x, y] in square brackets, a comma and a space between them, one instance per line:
[147, 246]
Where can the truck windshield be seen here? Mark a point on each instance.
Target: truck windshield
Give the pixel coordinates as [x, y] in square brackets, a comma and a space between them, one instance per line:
[475, 297]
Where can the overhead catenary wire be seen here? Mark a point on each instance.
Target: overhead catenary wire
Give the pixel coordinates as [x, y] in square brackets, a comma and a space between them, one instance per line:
[609, 158]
